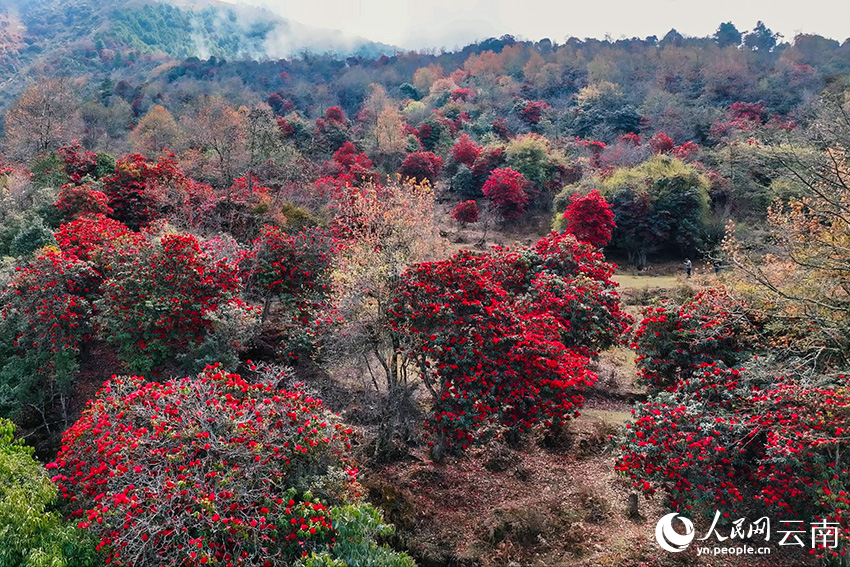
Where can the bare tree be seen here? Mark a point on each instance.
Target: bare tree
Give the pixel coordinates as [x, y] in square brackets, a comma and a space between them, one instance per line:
[45, 117]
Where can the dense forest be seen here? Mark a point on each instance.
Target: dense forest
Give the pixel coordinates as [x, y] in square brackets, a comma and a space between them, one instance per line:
[360, 307]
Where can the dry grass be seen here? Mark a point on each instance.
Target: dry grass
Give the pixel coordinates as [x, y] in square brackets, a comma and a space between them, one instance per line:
[627, 281]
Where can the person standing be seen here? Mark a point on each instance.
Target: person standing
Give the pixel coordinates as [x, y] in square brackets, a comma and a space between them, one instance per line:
[688, 267]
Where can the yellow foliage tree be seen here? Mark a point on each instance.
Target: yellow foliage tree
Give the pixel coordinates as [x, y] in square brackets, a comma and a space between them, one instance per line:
[155, 132]
[801, 275]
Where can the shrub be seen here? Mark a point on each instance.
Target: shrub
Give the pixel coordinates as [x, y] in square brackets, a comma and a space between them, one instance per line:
[203, 470]
[292, 271]
[488, 159]
[356, 528]
[160, 302]
[141, 191]
[726, 429]
[505, 338]
[506, 190]
[79, 200]
[590, 219]
[465, 151]
[79, 162]
[532, 112]
[45, 316]
[466, 212]
[422, 166]
[673, 343]
[661, 143]
[93, 238]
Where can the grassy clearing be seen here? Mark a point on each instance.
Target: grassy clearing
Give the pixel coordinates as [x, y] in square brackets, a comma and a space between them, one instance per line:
[645, 282]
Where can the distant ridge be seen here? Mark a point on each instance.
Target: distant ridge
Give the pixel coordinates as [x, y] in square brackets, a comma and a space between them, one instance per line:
[39, 29]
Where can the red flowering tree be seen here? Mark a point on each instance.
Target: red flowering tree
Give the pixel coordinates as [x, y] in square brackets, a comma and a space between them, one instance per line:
[748, 112]
[488, 159]
[129, 198]
[734, 439]
[292, 272]
[803, 473]
[241, 209]
[465, 151]
[689, 446]
[45, 316]
[167, 302]
[495, 339]
[506, 190]
[532, 112]
[464, 95]
[141, 191]
[422, 166]
[661, 143]
[725, 428]
[79, 162]
[501, 129]
[294, 267]
[353, 164]
[286, 128]
[335, 114]
[93, 238]
[78, 200]
[685, 151]
[210, 470]
[590, 219]
[673, 342]
[333, 130]
[466, 213]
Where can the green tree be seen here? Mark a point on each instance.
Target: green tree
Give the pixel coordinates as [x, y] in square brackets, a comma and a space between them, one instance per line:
[660, 207]
[761, 39]
[727, 35]
[32, 534]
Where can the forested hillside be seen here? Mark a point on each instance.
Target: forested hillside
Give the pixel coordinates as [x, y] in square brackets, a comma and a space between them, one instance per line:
[359, 306]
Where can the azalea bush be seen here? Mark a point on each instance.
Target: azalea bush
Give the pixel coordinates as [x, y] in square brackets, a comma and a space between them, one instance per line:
[673, 342]
[95, 238]
[141, 191]
[240, 210]
[505, 338]
[78, 200]
[745, 439]
[290, 274]
[205, 470]
[465, 151]
[422, 166]
[466, 213]
[45, 317]
[728, 428]
[127, 189]
[80, 163]
[162, 300]
[506, 189]
[590, 218]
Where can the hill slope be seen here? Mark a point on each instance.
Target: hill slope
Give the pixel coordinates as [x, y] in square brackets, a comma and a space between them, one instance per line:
[41, 30]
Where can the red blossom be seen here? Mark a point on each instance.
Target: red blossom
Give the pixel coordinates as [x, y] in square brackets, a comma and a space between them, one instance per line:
[466, 212]
[506, 189]
[206, 469]
[590, 218]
